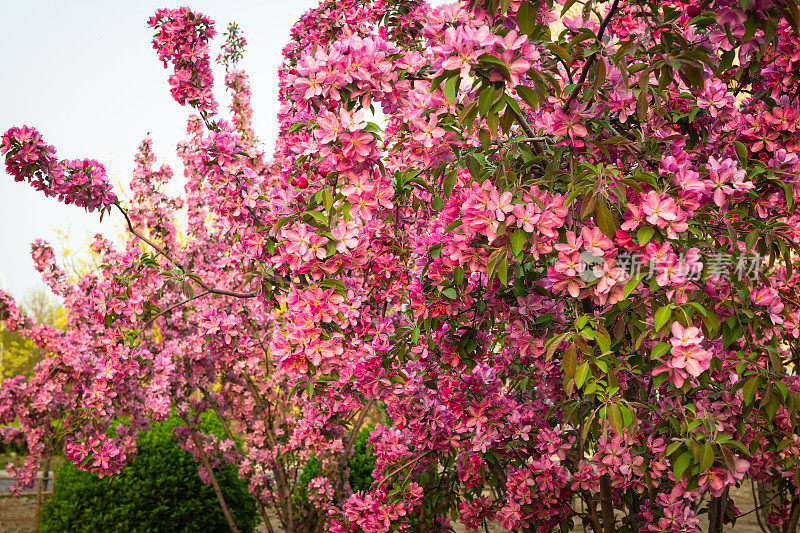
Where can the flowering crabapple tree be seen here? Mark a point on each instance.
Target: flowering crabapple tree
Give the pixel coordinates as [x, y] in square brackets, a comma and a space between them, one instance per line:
[555, 243]
[139, 323]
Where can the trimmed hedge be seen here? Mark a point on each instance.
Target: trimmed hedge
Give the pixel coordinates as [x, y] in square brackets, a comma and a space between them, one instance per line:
[362, 462]
[160, 490]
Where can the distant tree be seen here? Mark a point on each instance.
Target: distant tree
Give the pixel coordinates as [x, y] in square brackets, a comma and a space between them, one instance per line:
[19, 355]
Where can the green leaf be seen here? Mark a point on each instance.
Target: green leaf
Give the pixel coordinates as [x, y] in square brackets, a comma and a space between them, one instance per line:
[741, 151]
[568, 363]
[518, 239]
[680, 464]
[606, 220]
[739, 446]
[615, 417]
[282, 222]
[642, 106]
[560, 51]
[327, 199]
[751, 240]
[631, 284]
[772, 407]
[458, 275]
[474, 167]
[451, 88]
[451, 293]
[453, 225]
[659, 349]
[580, 375]
[672, 447]
[627, 416]
[485, 100]
[526, 18]
[784, 392]
[708, 457]
[491, 265]
[528, 95]
[449, 183]
[600, 73]
[700, 309]
[662, 316]
[319, 217]
[644, 234]
[568, 4]
[749, 390]
[511, 103]
[603, 341]
[588, 425]
[437, 81]
[493, 121]
[502, 271]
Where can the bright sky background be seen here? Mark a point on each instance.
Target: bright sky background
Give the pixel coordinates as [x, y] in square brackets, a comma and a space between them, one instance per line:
[86, 76]
[84, 73]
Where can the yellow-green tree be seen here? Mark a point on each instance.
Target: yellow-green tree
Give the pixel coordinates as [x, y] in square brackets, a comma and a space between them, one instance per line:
[19, 355]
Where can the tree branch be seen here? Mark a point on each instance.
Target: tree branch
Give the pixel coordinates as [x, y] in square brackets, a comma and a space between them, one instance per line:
[204, 459]
[606, 505]
[163, 252]
[716, 516]
[794, 517]
[591, 59]
[170, 308]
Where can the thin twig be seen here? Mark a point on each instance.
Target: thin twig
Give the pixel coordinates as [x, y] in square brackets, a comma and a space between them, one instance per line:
[163, 252]
[591, 58]
[170, 308]
[758, 506]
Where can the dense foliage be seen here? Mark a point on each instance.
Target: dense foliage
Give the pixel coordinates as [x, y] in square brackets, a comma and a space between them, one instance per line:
[159, 490]
[556, 243]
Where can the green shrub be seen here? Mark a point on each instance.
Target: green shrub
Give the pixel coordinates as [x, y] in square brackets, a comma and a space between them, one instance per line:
[362, 462]
[159, 490]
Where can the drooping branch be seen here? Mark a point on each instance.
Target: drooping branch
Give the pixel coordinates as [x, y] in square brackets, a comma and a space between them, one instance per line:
[175, 306]
[161, 251]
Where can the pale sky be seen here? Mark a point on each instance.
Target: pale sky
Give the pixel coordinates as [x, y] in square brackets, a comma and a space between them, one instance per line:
[86, 76]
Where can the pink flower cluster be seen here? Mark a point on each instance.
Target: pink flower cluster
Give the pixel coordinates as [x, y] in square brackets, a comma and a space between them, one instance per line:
[98, 455]
[377, 515]
[688, 355]
[182, 39]
[80, 182]
[535, 492]
[320, 492]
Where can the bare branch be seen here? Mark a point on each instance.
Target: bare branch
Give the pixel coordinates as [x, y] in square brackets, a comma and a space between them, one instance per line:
[591, 59]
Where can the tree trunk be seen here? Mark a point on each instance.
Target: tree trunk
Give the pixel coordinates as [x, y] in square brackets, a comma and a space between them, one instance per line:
[794, 517]
[606, 505]
[204, 459]
[716, 518]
